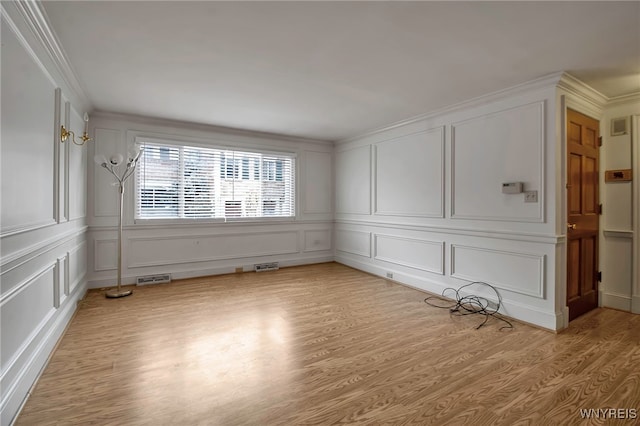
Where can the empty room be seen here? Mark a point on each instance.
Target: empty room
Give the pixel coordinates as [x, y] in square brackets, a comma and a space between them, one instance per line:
[319, 212]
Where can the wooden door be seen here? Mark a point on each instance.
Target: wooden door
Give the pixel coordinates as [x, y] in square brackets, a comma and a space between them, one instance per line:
[582, 213]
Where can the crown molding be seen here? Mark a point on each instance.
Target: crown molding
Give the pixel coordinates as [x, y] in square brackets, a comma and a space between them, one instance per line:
[596, 100]
[631, 98]
[539, 83]
[203, 127]
[36, 20]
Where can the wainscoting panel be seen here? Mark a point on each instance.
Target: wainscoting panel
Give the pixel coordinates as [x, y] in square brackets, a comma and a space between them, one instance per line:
[517, 272]
[61, 280]
[317, 240]
[418, 254]
[409, 175]
[159, 251]
[77, 266]
[354, 242]
[24, 312]
[105, 254]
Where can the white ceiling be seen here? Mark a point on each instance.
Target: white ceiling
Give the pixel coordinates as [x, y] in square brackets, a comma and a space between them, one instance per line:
[332, 70]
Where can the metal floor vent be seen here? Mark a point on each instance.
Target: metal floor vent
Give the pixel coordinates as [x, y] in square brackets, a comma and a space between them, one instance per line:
[262, 267]
[153, 279]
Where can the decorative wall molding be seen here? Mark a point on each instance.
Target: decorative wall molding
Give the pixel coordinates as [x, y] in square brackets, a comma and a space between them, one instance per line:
[527, 313]
[365, 241]
[23, 371]
[66, 196]
[539, 83]
[99, 245]
[434, 248]
[621, 302]
[10, 231]
[203, 270]
[317, 240]
[539, 108]
[471, 232]
[60, 280]
[22, 285]
[245, 252]
[420, 182]
[58, 192]
[595, 100]
[209, 128]
[80, 273]
[536, 269]
[159, 224]
[18, 258]
[630, 99]
[610, 233]
[36, 19]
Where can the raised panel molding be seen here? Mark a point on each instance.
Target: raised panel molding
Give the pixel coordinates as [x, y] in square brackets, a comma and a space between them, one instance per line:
[77, 267]
[160, 251]
[104, 252]
[409, 175]
[425, 255]
[354, 242]
[64, 166]
[504, 137]
[76, 183]
[609, 233]
[24, 312]
[58, 154]
[500, 268]
[60, 280]
[317, 240]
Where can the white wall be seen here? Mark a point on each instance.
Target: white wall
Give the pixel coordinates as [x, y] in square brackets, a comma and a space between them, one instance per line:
[197, 249]
[617, 229]
[43, 226]
[422, 201]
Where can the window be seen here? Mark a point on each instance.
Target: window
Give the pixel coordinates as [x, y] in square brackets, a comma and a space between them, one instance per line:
[186, 182]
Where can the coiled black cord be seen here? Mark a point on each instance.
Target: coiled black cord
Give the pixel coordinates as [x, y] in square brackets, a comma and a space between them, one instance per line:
[467, 305]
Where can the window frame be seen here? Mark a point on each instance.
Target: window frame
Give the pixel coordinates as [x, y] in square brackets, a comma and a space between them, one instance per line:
[250, 149]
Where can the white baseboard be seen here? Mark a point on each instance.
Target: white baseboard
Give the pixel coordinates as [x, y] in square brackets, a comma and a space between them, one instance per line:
[615, 301]
[635, 304]
[193, 273]
[16, 395]
[549, 320]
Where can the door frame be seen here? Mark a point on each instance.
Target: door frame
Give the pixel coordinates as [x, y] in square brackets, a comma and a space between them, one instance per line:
[592, 110]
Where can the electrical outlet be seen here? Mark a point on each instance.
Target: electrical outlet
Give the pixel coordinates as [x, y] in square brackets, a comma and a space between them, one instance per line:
[531, 196]
[390, 275]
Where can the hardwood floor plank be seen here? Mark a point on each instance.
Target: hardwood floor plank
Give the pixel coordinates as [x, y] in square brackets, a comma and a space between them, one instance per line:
[324, 344]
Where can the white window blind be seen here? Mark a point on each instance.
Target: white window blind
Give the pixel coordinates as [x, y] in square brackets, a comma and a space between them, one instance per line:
[186, 182]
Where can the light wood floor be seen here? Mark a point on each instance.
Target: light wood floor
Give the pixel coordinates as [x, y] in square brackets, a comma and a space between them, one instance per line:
[324, 344]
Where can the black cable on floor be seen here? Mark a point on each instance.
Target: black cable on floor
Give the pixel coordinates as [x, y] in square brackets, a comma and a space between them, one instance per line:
[467, 305]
